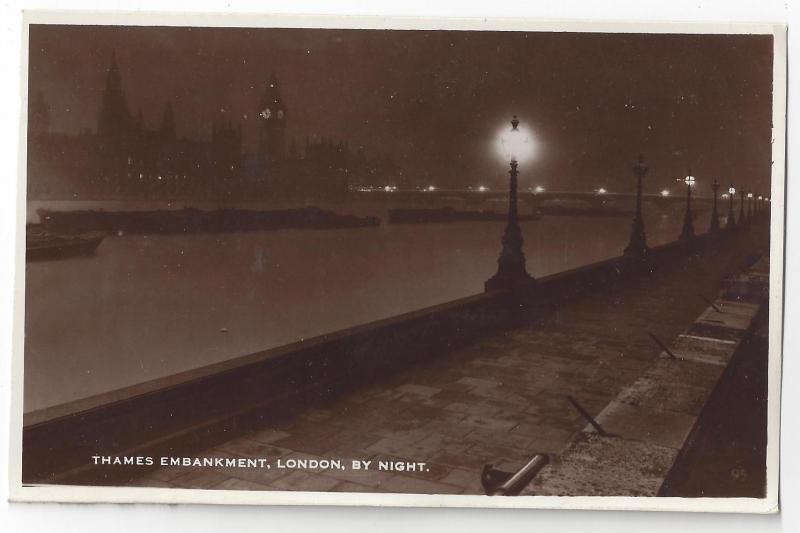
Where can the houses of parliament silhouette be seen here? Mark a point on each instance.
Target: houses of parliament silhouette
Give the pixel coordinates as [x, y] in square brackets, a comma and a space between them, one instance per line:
[123, 159]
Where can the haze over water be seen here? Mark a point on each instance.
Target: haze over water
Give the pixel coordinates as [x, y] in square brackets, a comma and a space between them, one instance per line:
[150, 306]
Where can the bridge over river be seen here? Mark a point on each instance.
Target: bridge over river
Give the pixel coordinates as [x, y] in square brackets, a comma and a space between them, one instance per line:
[534, 200]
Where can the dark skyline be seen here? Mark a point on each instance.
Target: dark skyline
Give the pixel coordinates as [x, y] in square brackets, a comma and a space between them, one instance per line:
[435, 100]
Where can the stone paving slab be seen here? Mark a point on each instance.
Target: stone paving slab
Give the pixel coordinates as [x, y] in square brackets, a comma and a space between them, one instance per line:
[502, 399]
[650, 420]
[602, 466]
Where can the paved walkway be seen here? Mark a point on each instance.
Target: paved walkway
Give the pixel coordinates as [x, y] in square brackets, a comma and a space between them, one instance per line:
[499, 401]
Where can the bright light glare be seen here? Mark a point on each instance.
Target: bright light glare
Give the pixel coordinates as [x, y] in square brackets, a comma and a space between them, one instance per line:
[665, 192]
[515, 144]
[732, 191]
[431, 188]
[725, 195]
[538, 188]
[483, 188]
[749, 195]
[390, 188]
[601, 190]
[689, 180]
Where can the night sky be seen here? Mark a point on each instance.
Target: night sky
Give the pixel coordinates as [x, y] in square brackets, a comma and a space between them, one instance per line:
[435, 100]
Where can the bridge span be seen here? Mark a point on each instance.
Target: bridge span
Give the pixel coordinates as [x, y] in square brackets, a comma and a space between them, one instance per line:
[533, 199]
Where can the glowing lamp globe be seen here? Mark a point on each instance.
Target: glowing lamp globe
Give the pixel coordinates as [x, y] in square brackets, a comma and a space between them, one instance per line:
[689, 180]
[760, 197]
[749, 195]
[515, 143]
[665, 192]
[732, 190]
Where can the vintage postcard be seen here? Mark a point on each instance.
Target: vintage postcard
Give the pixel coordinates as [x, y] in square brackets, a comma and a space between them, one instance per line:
[282, 260]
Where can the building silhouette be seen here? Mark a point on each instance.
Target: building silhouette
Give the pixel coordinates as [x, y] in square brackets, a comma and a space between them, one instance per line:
[124, 158]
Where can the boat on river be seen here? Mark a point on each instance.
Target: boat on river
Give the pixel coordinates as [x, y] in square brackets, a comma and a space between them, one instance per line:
[41, 245]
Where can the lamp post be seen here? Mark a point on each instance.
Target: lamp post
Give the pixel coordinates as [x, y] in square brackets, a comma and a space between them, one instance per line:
[731, 217]
[741, 208]
[759, 204]
[687, 233]
[714, 227]
[515, 145]
[637, 246]
[749, 206]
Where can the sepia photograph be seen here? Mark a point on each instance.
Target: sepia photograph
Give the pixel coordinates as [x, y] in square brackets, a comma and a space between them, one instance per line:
[479, 265]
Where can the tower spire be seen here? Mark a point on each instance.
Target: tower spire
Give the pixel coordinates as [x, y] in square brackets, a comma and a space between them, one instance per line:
[115, 119]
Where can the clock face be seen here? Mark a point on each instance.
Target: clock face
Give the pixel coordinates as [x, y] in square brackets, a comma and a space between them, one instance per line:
[266, 114]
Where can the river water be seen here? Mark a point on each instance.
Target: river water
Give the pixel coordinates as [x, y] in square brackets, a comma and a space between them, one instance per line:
[149, 306]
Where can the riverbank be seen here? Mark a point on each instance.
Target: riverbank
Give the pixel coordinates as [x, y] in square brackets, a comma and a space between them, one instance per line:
[498, 400]
[190, 220]
[207, 298]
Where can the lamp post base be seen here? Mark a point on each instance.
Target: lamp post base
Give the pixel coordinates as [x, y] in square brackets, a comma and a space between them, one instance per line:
[687, 232]
[637, 245]
[510, 281]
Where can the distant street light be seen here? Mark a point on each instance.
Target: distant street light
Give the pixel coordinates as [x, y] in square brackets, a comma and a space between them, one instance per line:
[637, 245]
[749, 205]
[515, 145]
[601, 190]
[431, 188]
[687, 233]
[538, 189]
[731, 217]
[714, 226]
[483, 188]
[665, 193]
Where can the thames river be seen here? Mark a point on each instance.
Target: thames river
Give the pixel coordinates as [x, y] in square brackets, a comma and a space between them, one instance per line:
[149, 306]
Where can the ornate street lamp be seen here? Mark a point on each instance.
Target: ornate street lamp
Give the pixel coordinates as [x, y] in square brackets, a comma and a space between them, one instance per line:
[714, 227]
[515, 145]
[687, 233]
[637, 246]
[731, 217]
[749, 206]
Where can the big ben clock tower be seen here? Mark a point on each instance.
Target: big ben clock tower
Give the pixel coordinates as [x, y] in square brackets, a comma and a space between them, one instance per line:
[272, 124]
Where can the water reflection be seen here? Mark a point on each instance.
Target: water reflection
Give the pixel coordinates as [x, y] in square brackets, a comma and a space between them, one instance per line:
[150, 306]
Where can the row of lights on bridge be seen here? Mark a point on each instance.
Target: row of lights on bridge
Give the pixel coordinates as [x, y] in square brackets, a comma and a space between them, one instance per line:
[600, 190]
